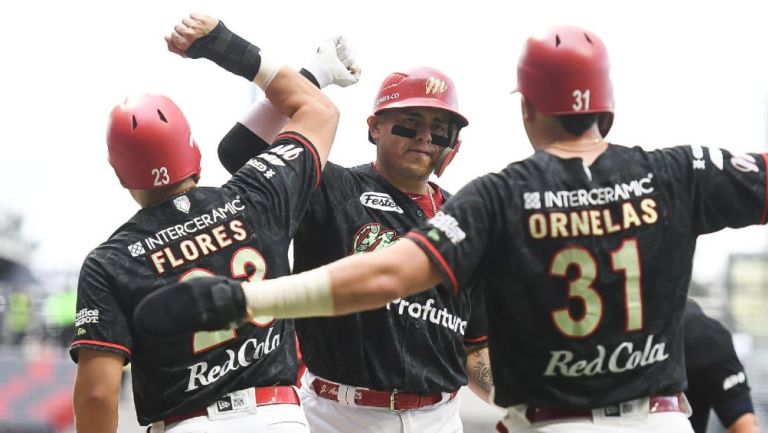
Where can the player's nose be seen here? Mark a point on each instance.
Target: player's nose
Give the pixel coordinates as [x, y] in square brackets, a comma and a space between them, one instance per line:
[423, 134]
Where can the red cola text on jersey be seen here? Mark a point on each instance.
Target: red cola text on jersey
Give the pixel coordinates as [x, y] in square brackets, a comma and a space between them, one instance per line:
[624, 357]
[249, 351]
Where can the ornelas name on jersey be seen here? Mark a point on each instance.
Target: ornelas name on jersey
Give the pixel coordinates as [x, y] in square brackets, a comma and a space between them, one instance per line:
[595, 221]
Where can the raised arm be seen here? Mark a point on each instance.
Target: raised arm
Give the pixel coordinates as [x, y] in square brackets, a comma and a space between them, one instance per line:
[311, 113]
[333, 63]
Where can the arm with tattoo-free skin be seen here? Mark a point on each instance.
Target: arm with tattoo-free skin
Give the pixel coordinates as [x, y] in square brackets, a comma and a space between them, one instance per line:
[746, 423]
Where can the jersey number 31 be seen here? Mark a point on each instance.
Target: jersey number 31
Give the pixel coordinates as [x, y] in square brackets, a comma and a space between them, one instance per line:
[624, 259]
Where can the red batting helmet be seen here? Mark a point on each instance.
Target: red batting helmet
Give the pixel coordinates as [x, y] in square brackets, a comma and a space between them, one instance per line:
[566, 71]
[150, 144]
[423, 87]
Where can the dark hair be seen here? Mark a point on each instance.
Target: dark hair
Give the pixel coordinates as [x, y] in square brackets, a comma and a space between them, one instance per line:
[576, 124]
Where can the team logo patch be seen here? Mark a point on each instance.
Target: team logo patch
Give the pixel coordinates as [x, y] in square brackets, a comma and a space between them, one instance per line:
[435, 86]
[698, 157]
[266, 171]
[224, 405]
[288, 152]
[372, 237]
[86, 316]
[136, 249]
[272, 159]
[448, 225]
[532, 200]
[380, 201]
[734, 380]
[230, 404]
[745, 163]
[182, 203]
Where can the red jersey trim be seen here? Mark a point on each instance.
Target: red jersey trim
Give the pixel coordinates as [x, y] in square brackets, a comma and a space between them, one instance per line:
[439, 257]
[300, 138]
[765, 199]
[101, 343]
[476, 340]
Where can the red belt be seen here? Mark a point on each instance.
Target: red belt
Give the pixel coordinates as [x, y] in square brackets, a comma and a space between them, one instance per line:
[393, 400]
[264, 396]
[656, 404]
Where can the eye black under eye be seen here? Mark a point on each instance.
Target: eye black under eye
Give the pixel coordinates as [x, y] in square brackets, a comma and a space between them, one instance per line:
[440, 140]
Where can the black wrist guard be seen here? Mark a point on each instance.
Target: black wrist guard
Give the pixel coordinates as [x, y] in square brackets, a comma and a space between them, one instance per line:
[227, 50]
[198, 304]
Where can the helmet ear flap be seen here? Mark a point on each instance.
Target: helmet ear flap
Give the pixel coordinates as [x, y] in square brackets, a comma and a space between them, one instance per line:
[445, 158]
[448, 153]
[604, 123]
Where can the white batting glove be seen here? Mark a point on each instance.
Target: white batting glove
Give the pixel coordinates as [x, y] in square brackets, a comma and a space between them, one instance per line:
[334, 63]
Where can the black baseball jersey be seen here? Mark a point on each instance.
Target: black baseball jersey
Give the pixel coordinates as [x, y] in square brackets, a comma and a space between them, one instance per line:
[415, 344]
[716, 378]
[586, 269]
[242, 230]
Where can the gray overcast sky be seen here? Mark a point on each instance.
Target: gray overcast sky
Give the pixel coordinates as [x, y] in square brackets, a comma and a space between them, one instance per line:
[684, 72]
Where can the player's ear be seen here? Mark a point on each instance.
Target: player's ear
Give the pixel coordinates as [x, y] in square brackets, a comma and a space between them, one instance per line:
[374, 128]
[527, 109]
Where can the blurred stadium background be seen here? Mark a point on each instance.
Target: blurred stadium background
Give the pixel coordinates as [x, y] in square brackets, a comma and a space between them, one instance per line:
[37, 320]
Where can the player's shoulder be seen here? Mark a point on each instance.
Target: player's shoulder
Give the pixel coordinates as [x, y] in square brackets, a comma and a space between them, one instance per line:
[692, 156]
[334, 170]
[366, 170]
[666, 160]
[111, 249]
[353, 177]
[124, 242]
[702, 330]
[642, 155]
[100, 260]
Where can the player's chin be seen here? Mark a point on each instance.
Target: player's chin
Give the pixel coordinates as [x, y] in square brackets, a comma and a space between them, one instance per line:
[419, 168]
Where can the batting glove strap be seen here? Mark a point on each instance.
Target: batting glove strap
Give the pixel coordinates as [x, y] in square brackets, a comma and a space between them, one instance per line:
[227, 50]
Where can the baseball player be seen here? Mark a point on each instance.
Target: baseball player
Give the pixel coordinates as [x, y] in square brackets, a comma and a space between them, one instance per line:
[716, 378]
[396, 368]
[584, 250]
[226, 381]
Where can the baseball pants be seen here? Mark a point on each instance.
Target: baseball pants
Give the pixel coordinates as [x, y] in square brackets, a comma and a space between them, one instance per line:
[665, 422]
[328, 416]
